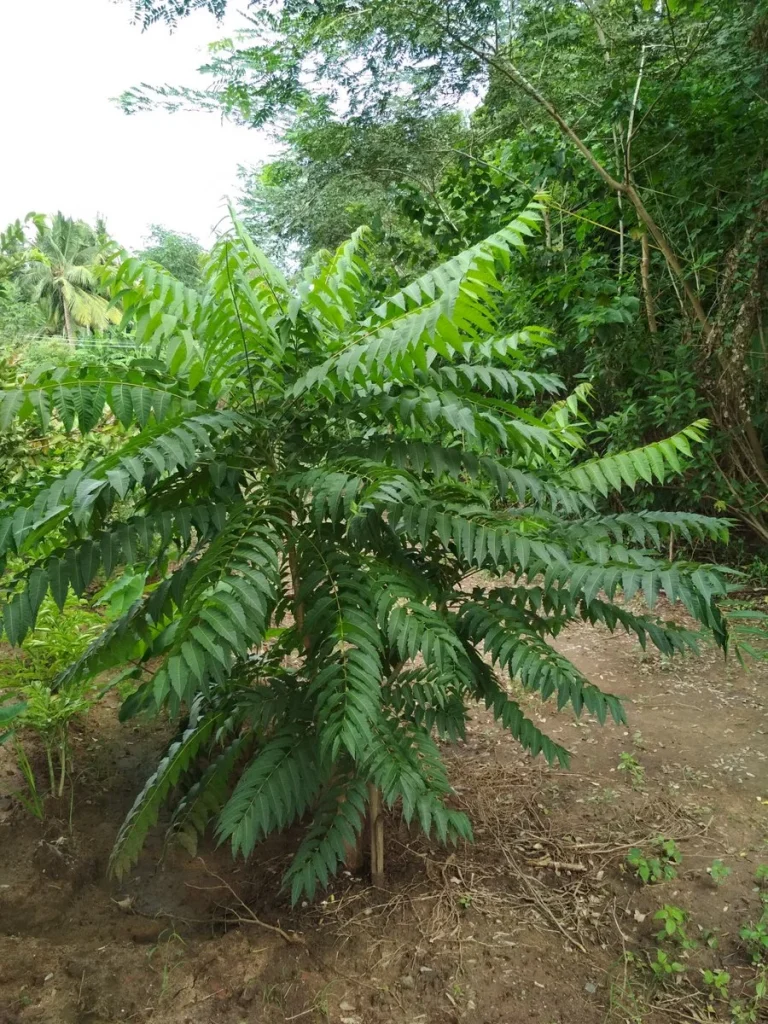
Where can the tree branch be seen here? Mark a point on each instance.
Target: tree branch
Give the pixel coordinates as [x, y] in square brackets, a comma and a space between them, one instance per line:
[630, 126]
[515, 76]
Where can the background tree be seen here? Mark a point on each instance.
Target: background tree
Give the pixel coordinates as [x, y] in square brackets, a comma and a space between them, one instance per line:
[177, 252]
[60, 275]
[18, 316]
[148, 12]
[337, 174]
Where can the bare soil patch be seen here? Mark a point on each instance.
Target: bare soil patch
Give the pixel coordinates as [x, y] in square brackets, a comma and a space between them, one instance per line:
[529, 924]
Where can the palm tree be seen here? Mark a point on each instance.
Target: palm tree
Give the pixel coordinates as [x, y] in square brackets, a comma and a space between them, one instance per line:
[61, 276]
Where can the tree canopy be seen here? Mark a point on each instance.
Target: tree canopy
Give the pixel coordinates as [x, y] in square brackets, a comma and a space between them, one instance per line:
[176, 252]
[60, 275]
[150, 12]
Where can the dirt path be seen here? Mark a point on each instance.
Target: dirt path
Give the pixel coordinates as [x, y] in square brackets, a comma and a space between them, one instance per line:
[530, 924]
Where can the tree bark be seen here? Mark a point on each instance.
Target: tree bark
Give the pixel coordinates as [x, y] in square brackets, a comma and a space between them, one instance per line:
[354, 855]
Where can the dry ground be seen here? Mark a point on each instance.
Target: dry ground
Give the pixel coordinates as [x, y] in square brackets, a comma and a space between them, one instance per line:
[530, 924]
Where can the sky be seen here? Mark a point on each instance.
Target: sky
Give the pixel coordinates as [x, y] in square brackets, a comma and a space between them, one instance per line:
[67, 146]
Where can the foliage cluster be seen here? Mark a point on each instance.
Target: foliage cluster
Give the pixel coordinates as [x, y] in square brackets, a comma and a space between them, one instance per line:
[658, 866]
[30, 705]
[175, 252]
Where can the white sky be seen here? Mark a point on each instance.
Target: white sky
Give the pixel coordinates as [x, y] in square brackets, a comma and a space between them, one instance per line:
[67, 147]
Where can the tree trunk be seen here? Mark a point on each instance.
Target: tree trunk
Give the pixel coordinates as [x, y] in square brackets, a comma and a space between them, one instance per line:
[376, 825]
[372, 831]
[68, 329]
[728, 346]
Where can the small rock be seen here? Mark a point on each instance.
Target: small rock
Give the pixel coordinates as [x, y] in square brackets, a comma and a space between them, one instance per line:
[47, 978]
[407, 981]
[639, 917]
[471, 1005]
[590, 987]
[347, 1007]
[351, 1020]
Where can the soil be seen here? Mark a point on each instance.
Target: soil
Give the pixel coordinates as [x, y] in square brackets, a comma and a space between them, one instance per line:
[539, 921]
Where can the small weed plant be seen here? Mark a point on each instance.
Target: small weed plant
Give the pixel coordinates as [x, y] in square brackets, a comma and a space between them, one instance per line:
[718, 872]
[660, 865]
[720, 995]
[664, 966]
[717, 982]
[673, 921]
[755, 935]
[33, 708]
[632, 768]
[752, 1009]
[166, 957]
[50, 715]
[32, 799]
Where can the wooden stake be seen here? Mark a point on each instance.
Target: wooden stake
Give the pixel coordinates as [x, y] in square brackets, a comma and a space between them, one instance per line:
[376, 824]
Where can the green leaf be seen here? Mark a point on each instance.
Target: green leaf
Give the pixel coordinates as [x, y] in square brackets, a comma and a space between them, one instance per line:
[144, 813]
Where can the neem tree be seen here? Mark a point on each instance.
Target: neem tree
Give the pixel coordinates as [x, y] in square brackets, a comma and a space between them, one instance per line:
[357, 526]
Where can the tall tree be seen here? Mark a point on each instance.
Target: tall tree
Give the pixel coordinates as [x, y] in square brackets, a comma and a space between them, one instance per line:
[177, 252]
[339, 173]
[61, 276]
[18, 316]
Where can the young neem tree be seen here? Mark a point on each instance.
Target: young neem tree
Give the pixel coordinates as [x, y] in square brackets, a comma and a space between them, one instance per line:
[356, 531]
